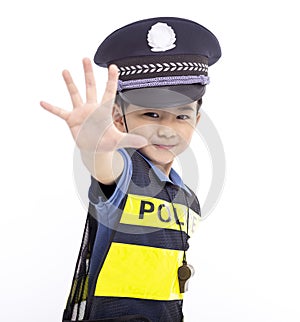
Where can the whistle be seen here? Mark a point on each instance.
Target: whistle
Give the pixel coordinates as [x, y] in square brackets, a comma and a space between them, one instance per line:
[184, 273]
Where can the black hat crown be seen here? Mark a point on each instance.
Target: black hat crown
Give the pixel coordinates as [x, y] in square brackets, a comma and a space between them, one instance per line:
[164, 51]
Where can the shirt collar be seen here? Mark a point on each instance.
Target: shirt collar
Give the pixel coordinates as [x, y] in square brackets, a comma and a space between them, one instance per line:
[173, 178]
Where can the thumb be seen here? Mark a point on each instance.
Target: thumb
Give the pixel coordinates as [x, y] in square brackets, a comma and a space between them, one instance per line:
[132, 141]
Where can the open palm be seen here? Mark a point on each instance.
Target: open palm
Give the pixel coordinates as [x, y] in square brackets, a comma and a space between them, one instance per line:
[91, 123]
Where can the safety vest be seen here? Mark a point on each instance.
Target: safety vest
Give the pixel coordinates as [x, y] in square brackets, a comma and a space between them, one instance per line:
[136, 278]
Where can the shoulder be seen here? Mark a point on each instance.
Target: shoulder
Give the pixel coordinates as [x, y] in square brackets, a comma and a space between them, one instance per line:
[193, 201]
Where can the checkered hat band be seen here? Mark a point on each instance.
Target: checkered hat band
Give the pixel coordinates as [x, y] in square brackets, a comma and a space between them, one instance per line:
[162, 81]
[161, 66]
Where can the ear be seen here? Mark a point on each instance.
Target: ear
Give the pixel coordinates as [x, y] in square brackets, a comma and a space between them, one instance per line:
[117, 116]
[198, 118]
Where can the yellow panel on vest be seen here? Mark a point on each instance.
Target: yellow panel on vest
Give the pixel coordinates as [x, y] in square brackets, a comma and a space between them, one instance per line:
[140, 272]
[153, 212]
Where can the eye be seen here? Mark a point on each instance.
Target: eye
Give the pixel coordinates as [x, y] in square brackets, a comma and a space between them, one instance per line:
[183, 117]
[151, 114]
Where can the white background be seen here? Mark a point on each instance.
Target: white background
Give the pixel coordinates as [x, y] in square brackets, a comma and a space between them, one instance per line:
[246, 253]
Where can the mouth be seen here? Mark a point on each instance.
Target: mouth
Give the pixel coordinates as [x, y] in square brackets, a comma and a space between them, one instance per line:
[164, 146]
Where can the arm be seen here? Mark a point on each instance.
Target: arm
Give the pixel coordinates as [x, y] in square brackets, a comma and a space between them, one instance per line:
[92, 127]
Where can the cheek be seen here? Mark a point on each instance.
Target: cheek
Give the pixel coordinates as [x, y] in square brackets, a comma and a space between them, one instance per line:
[186, 132]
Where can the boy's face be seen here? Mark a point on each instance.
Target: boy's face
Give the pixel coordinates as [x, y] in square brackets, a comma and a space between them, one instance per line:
[168, 131]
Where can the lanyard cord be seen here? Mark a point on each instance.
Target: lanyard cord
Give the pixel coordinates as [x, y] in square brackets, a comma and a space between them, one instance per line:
[124, 118]
[179, 223]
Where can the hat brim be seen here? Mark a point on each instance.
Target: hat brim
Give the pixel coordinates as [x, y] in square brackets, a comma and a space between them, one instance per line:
[164, 96]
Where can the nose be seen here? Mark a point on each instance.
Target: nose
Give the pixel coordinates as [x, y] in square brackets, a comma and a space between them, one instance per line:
[166, 131]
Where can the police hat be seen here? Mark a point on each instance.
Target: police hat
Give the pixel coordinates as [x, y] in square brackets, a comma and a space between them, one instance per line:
[162, 61]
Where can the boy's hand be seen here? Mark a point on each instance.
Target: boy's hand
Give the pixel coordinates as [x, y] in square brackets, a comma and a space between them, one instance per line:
[91, 123]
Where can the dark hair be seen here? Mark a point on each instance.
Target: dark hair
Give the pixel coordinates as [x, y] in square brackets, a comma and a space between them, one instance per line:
[199, 103]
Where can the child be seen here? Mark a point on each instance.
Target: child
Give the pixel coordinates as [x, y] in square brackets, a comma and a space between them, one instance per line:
[132, 263]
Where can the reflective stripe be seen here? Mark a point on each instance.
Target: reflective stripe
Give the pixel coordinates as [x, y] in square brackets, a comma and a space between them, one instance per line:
[154, 212]
[140, 272]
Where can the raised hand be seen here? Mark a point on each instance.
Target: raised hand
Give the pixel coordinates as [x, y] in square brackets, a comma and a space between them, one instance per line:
[92, 126]
[91, 123]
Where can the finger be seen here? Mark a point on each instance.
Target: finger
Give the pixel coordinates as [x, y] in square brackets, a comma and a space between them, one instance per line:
[63, 114]
[111, 85]
[90, 83]
[72, 89]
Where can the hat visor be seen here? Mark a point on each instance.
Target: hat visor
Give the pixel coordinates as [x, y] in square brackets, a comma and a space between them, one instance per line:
[164, 96]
